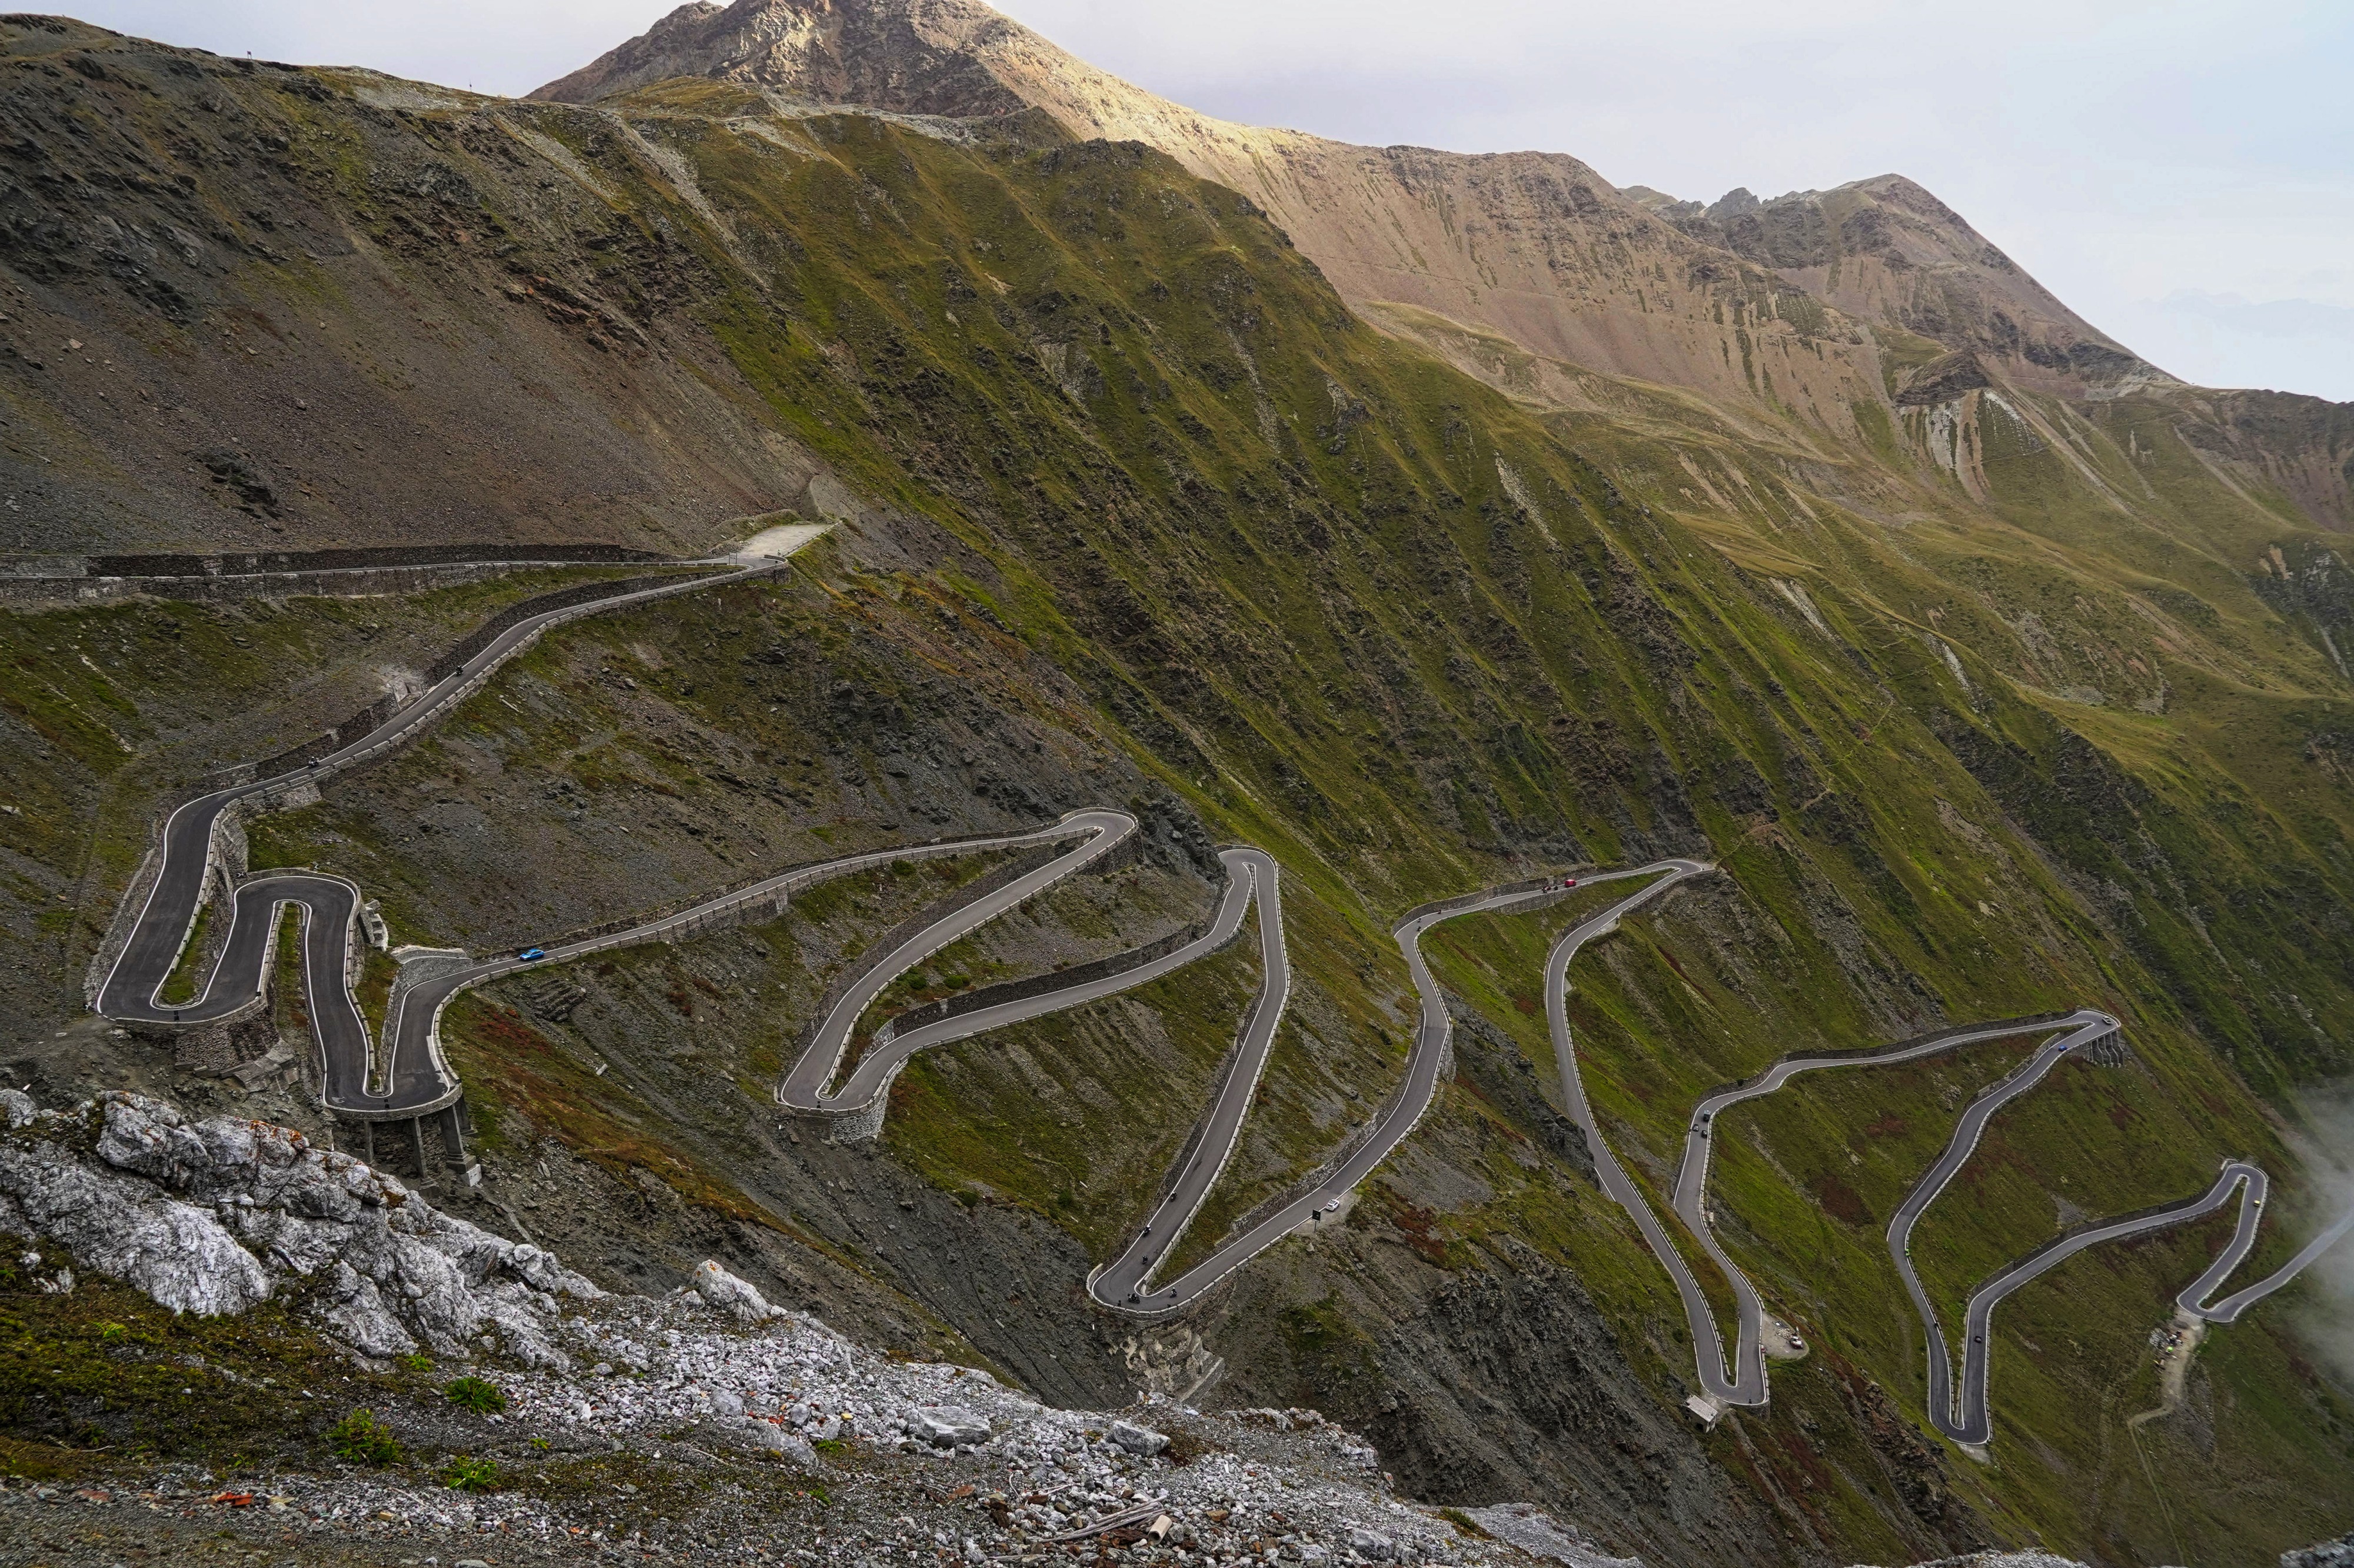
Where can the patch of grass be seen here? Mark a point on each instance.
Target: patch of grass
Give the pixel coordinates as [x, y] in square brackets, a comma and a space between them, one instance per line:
[102, 1366]
[478, 1394]
[503, 1058]
[463, 1474]
[966, 1115]
[180, 986]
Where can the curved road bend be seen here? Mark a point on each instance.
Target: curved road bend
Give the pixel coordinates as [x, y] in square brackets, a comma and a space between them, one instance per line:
[1973, 1424]
[1690, 1196]
[2243, 1239]
[413, 1069]
[132, 990]
[1432, 1034]
[1965, 1142]
[1748, 1385]
[804, 1084]
[1125, 1281]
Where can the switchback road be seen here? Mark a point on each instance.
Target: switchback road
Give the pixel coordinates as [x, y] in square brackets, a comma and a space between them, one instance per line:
[1390, 1127]
[2243, 1240]
[132, 992]
[409, 1078]
[1970, 1424]
[804, 1087]
[1747, 1379]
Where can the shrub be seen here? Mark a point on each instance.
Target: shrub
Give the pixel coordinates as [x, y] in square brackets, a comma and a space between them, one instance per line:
[476, 1394]
[360, 1436]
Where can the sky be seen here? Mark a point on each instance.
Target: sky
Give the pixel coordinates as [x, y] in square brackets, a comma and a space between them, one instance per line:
[2181, 173]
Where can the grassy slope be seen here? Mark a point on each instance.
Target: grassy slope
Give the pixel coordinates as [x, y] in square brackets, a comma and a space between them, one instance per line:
[106, 706]
[1356, 649]
[1282, 559]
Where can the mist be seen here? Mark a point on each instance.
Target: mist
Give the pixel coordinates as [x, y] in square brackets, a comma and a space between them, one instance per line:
[2323, 1315]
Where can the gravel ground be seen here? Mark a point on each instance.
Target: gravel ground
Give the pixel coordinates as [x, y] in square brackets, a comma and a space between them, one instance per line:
[688, 1434]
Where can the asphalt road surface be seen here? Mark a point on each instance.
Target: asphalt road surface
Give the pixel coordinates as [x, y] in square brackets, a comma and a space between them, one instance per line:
[1747, 1380]
[132, 992]
[1973, 1423]
[805, 1082]
[414, 1078]
[2243, 1239]
[1970, 1426]
[1126, 1280]
[1392, 1124]
[1707, 1346]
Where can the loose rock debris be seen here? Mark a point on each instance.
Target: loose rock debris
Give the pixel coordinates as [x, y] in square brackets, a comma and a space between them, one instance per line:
[706, 1426]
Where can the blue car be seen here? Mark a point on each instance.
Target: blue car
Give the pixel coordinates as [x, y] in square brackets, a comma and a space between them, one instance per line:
[532, 955]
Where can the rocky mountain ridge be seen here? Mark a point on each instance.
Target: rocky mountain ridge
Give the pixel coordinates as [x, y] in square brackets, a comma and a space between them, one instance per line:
[1887, 252]
[1534, 245]
[1813, 304]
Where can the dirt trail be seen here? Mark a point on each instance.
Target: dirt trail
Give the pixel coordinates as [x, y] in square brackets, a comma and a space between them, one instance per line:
[2178, 1348]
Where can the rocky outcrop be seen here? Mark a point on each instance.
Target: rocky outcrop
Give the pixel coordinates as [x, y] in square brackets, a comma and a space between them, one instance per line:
[1886, 251]
[2338, 1553]
[915, 58]
[724, 1292]
[218, 1217]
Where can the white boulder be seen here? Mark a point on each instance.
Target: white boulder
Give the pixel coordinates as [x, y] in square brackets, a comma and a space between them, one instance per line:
[1142, 1441]
[724, 1292]
[947, 1426]
[209, 1218]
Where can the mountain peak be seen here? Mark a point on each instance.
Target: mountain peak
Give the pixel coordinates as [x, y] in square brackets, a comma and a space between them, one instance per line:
[916, 57]
[1883, 251]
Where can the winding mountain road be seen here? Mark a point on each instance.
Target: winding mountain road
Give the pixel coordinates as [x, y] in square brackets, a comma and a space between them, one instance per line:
[2085, 1028]
[410, 1078]
[1689, 1201]
[804, 1085]
[2244, 1241]
[1708, 1346]
[132, 992]
[1364, 1152]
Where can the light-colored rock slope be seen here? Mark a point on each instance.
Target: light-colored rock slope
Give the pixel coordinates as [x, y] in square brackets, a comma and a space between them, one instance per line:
[1810, 311]
[1535, 246]
[1887, 252]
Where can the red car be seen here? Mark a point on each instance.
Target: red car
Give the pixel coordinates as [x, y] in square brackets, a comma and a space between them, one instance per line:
[1567, 883]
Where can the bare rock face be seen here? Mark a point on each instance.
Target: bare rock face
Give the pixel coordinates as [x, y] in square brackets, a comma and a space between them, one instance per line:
[916, 57]
[219, 1216]
[1886, 251]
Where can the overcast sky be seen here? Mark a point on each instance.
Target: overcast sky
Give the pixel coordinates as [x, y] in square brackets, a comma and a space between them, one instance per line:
[2180, 171]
